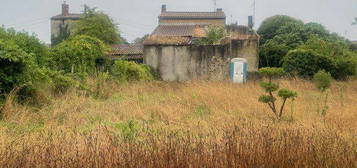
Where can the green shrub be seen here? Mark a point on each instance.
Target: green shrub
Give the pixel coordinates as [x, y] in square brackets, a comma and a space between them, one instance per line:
[123, 71]
[306, 63]
[61, 82]
[17, 67]
[30, 44]
[344, 67]
[77, 54]
[271, 72]
[271, 54]
[322, 81]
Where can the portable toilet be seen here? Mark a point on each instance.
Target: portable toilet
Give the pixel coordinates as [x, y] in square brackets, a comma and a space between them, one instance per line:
[238, 70]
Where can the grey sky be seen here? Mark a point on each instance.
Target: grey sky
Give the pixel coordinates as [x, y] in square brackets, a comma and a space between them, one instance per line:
[139, 17]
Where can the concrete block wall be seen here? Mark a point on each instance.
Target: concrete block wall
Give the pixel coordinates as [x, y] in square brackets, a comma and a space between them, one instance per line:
[182, 63]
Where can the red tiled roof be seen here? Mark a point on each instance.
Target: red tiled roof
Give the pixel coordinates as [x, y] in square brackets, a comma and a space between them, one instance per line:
[126, 49]
[192, 15]
[73, 16]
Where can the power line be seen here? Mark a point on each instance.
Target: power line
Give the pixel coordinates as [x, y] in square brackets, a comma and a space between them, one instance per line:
[26, 22]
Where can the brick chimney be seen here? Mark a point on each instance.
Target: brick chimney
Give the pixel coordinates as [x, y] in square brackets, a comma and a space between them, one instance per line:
[65, 9]
[163, 8]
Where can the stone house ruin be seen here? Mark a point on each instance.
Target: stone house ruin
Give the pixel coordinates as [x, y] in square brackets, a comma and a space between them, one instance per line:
[171, 48]
[63, 22]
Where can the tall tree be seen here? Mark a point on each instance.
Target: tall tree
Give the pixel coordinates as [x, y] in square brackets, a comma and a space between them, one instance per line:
[270, 26]
[99, 25]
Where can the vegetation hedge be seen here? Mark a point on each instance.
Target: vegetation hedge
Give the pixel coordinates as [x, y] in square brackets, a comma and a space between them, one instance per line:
[123, 71]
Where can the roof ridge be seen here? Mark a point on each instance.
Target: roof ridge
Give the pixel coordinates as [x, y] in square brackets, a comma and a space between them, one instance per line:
[193, 12]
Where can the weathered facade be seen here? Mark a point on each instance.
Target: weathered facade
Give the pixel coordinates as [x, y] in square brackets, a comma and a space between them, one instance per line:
[64, 20]
[172, 52]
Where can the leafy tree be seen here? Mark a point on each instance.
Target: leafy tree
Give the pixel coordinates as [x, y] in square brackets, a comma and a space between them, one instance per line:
[99, 25]
[270, 87]
[271, 26]
[64, 34]
[78, 54]
[306, 62]
[355, 22]
[27, 43]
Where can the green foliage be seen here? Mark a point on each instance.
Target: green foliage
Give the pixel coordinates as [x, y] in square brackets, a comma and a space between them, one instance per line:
[287, 94]
[214, 36]
[272, 53]
[30, 44]
[345, 67]
[61, 82]
[16, 66]
[123, 71]
[99, 25]
[267, 99]
[64, 34]
[78, 54]
[270, 87]
[322, 80]
[283, 37]
[271, 26]
[129, 130]
[271, 72]
[306, 62]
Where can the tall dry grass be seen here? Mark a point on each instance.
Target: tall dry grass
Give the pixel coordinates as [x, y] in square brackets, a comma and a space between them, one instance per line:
[194, 124]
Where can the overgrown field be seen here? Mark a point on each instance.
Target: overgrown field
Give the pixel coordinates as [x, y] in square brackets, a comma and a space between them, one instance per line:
[195, 124]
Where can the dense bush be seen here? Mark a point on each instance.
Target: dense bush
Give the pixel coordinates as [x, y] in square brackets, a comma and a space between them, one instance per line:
[306, 62]
[30, 44]
[304, 48]
[77, 54]
[272, 54]
[123, 71]
[16, 66]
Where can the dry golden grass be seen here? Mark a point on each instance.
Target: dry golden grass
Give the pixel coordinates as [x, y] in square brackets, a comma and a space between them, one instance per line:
[194, 124]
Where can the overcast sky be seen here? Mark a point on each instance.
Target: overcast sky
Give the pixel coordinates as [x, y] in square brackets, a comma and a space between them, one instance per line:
[139, 17]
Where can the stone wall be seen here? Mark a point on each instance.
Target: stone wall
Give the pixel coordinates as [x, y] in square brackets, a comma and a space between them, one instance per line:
[187, 62]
